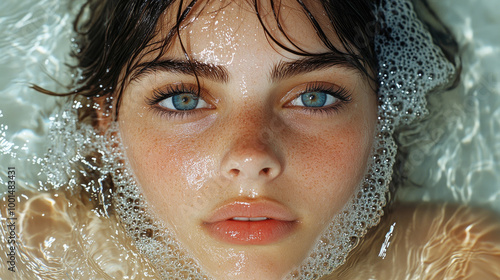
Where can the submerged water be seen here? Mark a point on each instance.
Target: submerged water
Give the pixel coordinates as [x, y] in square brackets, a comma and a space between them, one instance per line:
[458, 157]
[454, 155]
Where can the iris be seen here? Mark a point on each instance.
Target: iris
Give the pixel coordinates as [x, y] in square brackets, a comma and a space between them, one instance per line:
[314, 99]
[185, 101]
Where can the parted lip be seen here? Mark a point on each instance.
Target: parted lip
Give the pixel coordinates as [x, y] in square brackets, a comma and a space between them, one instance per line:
[251, 209]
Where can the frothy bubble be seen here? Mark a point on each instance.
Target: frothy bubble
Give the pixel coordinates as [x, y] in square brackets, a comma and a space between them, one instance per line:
[410, 65]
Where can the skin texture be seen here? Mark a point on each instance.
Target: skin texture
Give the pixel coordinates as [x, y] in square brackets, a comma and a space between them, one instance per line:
[251, 142]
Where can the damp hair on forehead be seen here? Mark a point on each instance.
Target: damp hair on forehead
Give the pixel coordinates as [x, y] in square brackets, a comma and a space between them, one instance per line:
[112, 37]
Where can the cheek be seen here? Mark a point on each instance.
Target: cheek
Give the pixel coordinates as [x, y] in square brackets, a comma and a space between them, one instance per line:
[170, 170]
[331, 165]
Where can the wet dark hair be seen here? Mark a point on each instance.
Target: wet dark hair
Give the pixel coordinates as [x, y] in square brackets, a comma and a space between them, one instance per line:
[113, 34]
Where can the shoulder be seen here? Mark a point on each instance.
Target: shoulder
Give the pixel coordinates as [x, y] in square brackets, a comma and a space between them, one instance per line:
[429, 241]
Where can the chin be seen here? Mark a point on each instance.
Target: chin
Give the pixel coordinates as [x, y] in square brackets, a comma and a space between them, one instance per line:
[250, 268]
[269, 262]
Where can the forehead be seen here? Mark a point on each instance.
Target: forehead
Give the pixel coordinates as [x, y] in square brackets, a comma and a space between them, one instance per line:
[216, 31]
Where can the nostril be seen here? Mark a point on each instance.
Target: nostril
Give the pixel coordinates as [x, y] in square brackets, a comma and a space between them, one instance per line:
[251, 167]
[265, 171]
[234, 172]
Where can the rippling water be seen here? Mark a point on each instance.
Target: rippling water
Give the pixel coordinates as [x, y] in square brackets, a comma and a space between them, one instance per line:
[60, 238]
[455, 154]
[34, 41]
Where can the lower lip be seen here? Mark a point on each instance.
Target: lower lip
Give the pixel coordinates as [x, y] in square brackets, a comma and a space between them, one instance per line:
[251, 233]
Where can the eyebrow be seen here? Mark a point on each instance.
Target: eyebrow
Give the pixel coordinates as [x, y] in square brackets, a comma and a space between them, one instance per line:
[205, 70]
[281, 71]
[288, 69]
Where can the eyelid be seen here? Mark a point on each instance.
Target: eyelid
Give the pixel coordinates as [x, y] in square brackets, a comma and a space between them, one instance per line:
[169, 102]
[160, 94]
[342, 94]
[163, 93]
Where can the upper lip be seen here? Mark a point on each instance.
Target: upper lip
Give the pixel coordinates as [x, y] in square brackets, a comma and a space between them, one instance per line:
[254, 209]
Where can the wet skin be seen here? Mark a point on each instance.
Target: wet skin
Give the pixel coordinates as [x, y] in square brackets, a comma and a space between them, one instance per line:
[286, 149]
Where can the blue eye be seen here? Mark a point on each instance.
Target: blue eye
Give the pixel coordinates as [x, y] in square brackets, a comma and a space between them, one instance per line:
[314, 99]
[183, 102]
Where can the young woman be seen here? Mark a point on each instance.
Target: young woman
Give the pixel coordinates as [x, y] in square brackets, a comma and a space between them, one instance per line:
[253, 139]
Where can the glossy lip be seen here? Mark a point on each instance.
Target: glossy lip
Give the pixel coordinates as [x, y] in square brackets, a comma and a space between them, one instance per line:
[279, 223]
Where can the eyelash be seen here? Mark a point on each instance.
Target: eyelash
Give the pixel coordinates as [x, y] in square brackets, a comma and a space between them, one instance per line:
[172, 90]
[341, 93]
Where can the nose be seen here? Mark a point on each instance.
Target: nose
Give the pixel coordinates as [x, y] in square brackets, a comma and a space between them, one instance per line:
[251, 158]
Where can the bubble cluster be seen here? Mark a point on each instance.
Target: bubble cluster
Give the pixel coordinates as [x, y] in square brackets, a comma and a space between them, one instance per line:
[410, 64]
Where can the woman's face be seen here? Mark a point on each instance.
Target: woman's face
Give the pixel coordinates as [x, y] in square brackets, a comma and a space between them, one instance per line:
[248, 174]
